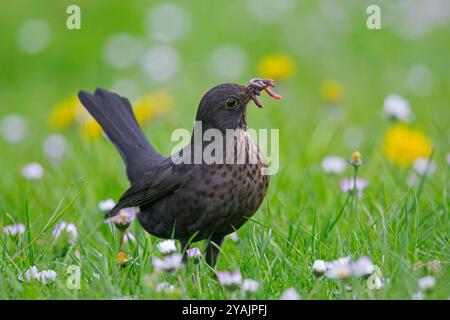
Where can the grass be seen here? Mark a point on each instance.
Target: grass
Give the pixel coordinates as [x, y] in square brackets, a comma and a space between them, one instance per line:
[305, 215]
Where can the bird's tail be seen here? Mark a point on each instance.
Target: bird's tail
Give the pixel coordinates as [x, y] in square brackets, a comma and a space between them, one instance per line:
[115, 116]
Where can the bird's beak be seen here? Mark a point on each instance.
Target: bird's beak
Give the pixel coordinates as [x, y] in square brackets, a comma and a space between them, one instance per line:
[257, 85]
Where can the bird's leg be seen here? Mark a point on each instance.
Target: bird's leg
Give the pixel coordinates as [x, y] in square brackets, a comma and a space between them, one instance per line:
[212, 250]
[184, 248]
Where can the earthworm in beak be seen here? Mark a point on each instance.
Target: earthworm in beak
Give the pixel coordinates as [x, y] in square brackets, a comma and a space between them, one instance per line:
[257, 85]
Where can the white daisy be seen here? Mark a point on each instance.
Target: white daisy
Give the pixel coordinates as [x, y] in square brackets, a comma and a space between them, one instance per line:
[424, 166]
[70, 228]
[167, 22]
[13, 128]
[194, 253]
[34, 36]
[234, 236]
[419, 80]
[168, 263]
[44, 276]
[122, 50]
[397, 107]
[319, 267]
[230, 279]
[362, 267]
[54, 147]
[32, 273]
[426, 283]
[271, 12]
[333, 164]
[161, 63]
[164, 287]
[106, 205]
[347, 185]
[47, 276]
[33, 171]
[250, 285]
[14, 229]
[413, 179]
[167, 247]
[290, 294]
[124, 218]
[339, 269]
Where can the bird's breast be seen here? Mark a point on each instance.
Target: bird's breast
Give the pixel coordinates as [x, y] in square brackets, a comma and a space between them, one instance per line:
[214, 198]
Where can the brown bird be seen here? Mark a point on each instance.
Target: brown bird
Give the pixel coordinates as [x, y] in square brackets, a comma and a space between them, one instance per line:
[179, 197]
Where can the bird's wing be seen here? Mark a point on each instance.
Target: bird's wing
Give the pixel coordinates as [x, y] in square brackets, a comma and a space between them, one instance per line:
[155, 186]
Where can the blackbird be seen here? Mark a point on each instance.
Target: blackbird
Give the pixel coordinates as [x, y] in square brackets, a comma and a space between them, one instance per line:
[190, 200]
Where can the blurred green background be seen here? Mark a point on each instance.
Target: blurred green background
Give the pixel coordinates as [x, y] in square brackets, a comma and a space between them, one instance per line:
[325, 39]
[204, 43]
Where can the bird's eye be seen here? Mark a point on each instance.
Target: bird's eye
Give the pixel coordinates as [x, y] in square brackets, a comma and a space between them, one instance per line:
[231, 103]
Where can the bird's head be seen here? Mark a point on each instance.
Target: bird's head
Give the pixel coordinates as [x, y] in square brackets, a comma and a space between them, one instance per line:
[225, 106]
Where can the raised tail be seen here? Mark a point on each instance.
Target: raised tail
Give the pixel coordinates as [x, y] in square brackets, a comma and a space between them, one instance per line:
[115, 116]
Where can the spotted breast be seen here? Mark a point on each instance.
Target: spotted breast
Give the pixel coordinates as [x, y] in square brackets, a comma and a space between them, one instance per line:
[216, 198]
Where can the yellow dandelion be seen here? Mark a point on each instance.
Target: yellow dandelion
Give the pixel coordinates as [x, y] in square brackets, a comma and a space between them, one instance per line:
[403, 144]
[276, 67]
[152, 105]
[122, 258]
[90, 128]
[331, 91]
[65, 113]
